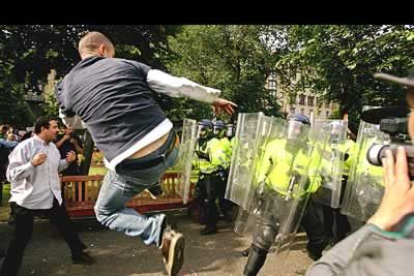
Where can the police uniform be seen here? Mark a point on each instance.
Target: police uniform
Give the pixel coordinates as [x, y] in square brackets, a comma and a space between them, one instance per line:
[284, 165]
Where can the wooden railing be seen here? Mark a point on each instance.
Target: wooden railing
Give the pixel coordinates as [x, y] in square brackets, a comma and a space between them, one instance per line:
[80, 194]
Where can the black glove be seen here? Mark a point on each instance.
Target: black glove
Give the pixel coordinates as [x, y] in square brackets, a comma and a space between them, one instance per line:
[203, 155]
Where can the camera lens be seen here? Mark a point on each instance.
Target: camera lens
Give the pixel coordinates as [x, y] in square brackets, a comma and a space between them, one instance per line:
[376, 153]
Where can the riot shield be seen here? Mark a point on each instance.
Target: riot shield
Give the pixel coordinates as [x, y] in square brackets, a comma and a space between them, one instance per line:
[284, 176]
[331, 148]
[249, 133]
[183, 164]
[365, 186]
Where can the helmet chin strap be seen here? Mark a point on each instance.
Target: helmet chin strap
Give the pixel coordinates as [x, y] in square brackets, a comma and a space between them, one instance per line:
[221, 133]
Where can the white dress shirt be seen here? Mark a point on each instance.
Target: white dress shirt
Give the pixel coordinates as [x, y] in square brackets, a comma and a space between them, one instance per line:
[164, 83]
[35, 187]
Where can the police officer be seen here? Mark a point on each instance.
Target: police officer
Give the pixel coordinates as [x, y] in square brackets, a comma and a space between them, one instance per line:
[284, 162]
[208, 165]
[223, 150]
[201, 163]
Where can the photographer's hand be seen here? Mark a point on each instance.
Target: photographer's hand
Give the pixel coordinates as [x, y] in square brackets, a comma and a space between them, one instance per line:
[398, 199]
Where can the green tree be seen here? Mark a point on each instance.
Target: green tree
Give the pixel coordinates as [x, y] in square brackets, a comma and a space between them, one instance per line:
[338, 62]
[29, 52]
[234, 59]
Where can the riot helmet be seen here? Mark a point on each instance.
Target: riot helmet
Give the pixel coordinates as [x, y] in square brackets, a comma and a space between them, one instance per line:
[219, 129]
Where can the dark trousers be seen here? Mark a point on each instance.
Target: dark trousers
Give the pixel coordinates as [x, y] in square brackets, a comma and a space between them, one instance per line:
[336, 224]
[225, 205]
[313, 225]
[208, 195]
[23, 230]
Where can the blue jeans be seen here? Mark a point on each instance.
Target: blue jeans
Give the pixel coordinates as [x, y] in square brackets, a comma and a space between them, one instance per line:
[129, 180]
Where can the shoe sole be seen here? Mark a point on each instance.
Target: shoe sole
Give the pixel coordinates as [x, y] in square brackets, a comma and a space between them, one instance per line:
[175, 255]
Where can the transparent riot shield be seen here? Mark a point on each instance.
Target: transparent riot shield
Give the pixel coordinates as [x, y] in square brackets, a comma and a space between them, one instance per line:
[183, 164]
[249, 133]
[284, 176]
[331, 147]
[365, 186]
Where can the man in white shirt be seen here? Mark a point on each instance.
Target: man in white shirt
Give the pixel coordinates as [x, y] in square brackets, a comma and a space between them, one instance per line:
[113, 98]
[33, 172]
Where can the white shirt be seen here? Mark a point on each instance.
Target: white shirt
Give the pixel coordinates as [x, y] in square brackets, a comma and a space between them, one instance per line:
[164, 83]
[35, 187]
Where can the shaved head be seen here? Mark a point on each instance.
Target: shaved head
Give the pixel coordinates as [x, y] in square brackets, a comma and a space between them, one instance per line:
[95, 43]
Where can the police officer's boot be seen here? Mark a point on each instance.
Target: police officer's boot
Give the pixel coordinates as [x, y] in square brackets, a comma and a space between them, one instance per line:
[255, 262]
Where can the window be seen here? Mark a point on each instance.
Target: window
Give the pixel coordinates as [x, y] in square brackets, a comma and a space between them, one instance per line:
[327, 114]
[271, 84]
[302, 99]
[311, 100]
[302, 111]
[292, 110]
[310, 112]
[319, 112]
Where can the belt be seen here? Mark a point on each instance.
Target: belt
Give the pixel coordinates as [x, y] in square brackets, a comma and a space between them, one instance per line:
[146, 164]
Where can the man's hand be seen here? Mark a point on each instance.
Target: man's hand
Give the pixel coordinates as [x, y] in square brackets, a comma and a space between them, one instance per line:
[39, 159]
[223, 105]
[398, 200]
[71, 156]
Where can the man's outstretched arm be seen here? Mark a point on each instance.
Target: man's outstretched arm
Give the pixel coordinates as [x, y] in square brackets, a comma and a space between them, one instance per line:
[172, 86]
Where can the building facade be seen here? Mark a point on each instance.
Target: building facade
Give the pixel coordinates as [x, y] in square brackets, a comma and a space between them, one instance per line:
[305, 103]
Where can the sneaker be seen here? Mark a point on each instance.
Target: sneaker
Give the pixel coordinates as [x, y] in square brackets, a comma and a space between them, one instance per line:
[172, 250]
[83, 259]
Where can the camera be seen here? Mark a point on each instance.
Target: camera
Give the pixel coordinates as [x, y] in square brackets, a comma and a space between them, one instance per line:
[394, 122]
